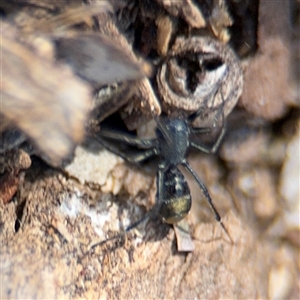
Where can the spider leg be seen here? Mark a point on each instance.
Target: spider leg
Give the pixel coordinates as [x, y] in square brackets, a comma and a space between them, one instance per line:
[203, 189]
[117, 236]
[153, 211]
[160, 183]
[133, 157]
[163, 129]
[149, 149]
[214, 147]
[217, 143]
[138, 222]
[207, 196]
[197, 130]
[159, 186]
[122, 234]
[128, 139]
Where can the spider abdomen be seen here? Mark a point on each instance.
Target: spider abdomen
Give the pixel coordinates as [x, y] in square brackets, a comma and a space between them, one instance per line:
[175, 202]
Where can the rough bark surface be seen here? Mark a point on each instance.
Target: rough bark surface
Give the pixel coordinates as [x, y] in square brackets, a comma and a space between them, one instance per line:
[50, 219]
[48, 256]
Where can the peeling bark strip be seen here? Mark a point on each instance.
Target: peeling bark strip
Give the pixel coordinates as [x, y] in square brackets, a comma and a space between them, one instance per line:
[140, 99]
[11, 163]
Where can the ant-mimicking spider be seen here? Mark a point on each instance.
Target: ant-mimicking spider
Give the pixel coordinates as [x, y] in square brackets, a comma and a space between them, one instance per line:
[173, 140]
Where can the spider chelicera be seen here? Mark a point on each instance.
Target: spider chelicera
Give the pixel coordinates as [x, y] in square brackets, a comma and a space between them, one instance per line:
[173, 140]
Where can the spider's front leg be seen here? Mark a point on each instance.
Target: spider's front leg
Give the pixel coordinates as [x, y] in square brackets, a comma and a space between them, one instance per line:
[126, 138]
[144, 148]
[220, 117]
[215, 146]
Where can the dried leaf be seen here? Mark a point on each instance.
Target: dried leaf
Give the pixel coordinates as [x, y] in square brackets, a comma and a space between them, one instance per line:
[42, 98]
[96, 59]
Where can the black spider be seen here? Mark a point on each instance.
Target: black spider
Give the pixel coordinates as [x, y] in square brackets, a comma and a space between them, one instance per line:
[173, 139]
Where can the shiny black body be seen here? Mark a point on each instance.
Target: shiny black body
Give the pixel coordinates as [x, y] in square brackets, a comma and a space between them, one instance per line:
[173, 196]
[173, 199]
